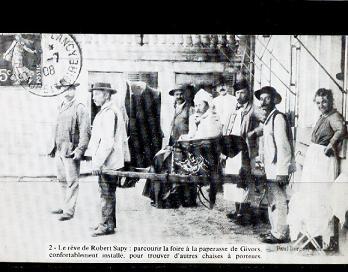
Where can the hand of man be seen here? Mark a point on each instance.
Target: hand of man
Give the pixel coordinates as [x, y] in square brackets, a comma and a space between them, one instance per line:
[96, 171]
[251, 134]
[329, 150]
[52, 154]
[223, 157]
[282, 180]
[168, 147]
[77, 155]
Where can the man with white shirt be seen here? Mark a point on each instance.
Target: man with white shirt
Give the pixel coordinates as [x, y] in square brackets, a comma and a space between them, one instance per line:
[277, 164]
[225, 103]
[204, 123]
[243, 122]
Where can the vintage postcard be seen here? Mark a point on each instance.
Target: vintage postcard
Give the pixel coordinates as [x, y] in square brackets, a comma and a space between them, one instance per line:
[185, 148]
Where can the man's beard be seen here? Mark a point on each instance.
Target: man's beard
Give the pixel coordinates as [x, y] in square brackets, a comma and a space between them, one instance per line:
[180, 101]
[242, 101]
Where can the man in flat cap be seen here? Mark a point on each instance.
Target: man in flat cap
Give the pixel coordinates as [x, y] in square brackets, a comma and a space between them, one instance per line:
[277, 163]
[71, 138]
[108, 148]
[242, 122]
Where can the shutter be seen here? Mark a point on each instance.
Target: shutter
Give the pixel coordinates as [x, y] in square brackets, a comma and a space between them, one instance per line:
[150, 78]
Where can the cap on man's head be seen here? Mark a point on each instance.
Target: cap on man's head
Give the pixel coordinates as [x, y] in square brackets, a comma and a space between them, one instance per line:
[270, 90]
[240, 85]
[203, 95]
[64, 84]
[102, 86]
[186, 87]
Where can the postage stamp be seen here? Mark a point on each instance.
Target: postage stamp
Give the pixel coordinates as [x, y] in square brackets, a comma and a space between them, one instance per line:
[20, 60]
[42, 63]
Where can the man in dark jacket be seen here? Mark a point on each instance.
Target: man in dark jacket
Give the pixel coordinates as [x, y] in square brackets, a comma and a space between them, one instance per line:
[243, 122]
[158, 192]
[182, 111]
[71, 138]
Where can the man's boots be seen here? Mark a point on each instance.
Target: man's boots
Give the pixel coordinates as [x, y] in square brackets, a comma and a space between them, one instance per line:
[233, 215]
[245, 215]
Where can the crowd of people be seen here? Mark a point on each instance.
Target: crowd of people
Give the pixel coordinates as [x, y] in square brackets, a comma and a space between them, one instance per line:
[266, 131]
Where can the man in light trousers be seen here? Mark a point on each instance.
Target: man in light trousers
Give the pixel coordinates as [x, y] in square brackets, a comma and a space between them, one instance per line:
[277, 164]
[72, 133]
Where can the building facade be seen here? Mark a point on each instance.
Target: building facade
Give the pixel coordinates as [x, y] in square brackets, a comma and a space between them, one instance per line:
[161, 61]
[297, 66]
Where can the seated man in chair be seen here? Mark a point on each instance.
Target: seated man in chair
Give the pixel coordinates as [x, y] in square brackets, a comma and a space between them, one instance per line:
[204, 124]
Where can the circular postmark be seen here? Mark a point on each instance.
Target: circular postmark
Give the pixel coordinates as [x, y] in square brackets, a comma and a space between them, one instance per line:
[60, 65]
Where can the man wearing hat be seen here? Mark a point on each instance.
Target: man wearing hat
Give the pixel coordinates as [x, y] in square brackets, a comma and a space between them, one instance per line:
[277, 163]
[243, 122]
[182, 111]
[108, 148]
[225, 103]
[72, 133]
[179, 126]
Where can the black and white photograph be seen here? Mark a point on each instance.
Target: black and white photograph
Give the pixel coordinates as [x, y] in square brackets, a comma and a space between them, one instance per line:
[173, 148]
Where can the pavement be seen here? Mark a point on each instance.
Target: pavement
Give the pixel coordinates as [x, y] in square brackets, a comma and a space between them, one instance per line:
[28, 228]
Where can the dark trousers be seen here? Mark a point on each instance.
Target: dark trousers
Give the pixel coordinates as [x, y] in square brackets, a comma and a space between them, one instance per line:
[107, 188]
[188, 194]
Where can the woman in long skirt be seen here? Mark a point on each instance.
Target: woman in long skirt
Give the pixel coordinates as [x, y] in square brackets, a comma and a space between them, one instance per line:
[309, 208]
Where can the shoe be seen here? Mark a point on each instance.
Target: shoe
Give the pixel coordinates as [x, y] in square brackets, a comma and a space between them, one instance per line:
[100, 232]
[59, 211]
[232, 215]
[65, 217]
[270, 239]
[243, 220]
[189, 204]
[159, 205]
[93, 228]
[265, 234]
[333, 246]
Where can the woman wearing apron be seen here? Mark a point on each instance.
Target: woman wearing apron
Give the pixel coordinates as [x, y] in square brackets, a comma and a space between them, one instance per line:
[309, 208]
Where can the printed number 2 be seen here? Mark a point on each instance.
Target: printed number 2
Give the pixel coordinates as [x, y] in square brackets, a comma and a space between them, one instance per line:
[48, 70]
[51, 247]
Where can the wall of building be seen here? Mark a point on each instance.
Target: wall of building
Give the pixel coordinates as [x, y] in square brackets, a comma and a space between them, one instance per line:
[27, 120]
[293, 65]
